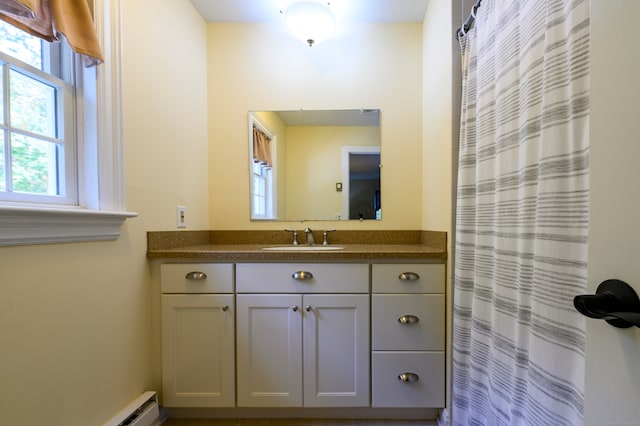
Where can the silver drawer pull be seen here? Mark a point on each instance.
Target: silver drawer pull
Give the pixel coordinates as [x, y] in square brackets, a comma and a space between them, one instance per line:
[408, 319]
[409, 276]
[408, 377]
[302, 275]
[308, 308]
[294, 308]
[196, 276]
[225, 308]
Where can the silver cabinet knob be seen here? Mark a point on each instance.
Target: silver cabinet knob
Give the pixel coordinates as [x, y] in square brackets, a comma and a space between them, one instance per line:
[308, 308]
[225, 308]
[409, 276]
[408, 319]
[295, 308]
[196, 276]
[302, 275]
[408, 377]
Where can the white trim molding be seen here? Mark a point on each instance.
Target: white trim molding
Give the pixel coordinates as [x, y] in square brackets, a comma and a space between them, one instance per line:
[24, 225]
[108, 16]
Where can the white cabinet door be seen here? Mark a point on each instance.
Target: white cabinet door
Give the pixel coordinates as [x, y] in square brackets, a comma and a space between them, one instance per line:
[336, 350]
[269, 340]
[198, 350]
[275, 330]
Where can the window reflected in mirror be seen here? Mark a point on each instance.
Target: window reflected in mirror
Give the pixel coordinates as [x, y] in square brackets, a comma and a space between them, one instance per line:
[262, 188]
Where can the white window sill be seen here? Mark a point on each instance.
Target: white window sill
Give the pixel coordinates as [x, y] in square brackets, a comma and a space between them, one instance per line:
[25, 225]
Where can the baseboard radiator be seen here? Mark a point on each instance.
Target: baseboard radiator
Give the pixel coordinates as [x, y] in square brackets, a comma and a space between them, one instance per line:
[142, 411]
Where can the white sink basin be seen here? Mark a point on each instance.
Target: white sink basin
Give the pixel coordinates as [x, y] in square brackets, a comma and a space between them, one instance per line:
[303, 248]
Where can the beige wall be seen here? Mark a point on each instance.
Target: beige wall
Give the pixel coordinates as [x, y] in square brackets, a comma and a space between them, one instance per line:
[75, 319]
[437, 116]
[261, 67]
[612, 388]
[314, 160]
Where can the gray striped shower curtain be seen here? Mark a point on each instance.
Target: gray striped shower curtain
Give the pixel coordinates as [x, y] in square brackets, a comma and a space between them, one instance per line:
[522, 215]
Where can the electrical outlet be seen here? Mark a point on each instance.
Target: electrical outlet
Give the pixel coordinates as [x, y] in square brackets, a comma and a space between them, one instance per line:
[181, 216]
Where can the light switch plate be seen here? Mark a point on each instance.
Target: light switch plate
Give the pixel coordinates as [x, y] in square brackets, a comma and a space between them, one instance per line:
[181, 216]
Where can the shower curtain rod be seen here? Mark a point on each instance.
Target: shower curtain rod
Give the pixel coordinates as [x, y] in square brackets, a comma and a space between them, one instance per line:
[469, 22]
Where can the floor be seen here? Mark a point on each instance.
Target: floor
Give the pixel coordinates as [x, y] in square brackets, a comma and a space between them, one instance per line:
[294, 422]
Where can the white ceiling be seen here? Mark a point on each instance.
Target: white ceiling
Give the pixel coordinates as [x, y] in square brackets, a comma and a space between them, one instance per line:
[345, 10]
[341, 117]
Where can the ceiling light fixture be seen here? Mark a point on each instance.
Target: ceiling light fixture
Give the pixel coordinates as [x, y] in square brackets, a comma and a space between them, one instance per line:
[311, 21]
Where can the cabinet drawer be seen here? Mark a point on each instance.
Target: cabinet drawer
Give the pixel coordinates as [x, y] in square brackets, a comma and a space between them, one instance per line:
[317, 278]
[408, 322]
[218, 278]
[426, 391]
[408, 278]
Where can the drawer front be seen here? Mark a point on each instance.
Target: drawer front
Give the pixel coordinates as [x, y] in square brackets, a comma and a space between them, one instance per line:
[408, 322]
[180, 278]
[425, 389]
[408, 278]
[302, 278]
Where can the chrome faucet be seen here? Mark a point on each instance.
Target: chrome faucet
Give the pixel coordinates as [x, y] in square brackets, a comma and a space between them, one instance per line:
[295, 236]
[325, 236]
[309, 235]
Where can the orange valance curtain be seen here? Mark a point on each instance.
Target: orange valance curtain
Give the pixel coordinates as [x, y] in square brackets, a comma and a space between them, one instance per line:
[261, 150]
[48, 19]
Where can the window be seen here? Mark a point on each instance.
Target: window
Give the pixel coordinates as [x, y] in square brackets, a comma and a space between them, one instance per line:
[37, 120]
[60, 138]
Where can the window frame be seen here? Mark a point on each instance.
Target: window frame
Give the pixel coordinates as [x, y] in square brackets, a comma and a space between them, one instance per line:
[101, 194]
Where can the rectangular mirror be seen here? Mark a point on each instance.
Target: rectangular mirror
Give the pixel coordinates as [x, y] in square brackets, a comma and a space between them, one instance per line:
[315, 165]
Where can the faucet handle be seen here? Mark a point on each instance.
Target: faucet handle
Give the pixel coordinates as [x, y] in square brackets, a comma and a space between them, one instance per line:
[325, 234]
[295, 236]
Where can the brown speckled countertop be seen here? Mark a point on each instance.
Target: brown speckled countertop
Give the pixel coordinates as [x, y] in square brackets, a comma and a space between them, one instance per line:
[247, 246]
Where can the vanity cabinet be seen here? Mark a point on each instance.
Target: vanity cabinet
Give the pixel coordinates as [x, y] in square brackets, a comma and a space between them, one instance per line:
[303, 335]
[408, 335]
[197, 315]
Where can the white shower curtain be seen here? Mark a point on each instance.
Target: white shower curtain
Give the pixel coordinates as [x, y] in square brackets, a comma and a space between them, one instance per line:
[522, 215]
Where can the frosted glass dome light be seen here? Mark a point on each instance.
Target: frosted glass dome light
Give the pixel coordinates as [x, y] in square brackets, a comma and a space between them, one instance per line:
[310, 21]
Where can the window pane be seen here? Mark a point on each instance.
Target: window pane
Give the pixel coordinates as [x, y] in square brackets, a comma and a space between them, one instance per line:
[256, 167]
[32, 105]
[21, 45]
[1, 96]
[259, 190]
[3, 186]
[34, 165]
